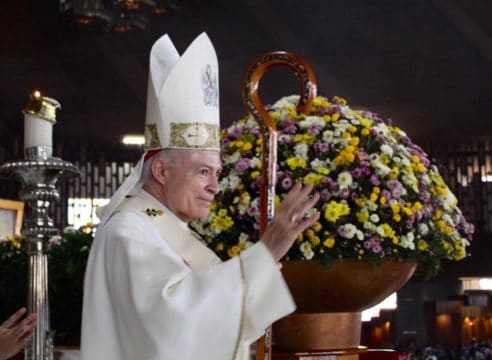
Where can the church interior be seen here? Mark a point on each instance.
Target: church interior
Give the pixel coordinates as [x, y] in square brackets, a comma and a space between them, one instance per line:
[425, 66]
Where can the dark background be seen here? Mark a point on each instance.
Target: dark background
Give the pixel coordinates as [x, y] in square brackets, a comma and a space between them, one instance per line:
[424, 63]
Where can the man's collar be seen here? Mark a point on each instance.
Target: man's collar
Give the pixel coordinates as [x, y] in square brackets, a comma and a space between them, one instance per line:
[159, 205]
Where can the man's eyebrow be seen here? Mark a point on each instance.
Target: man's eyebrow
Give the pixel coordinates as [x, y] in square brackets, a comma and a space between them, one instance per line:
[211, 167]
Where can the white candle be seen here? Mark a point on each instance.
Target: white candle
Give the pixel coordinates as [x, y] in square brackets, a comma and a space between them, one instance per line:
[37, 132]
[39, 118]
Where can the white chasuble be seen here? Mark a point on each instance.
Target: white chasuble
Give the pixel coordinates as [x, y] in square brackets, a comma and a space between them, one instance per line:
[153, 291]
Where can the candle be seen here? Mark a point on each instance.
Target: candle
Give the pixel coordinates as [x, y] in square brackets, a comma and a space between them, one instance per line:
[39, 118]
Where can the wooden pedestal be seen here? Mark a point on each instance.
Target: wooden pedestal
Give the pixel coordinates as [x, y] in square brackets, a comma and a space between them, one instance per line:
[345, 354]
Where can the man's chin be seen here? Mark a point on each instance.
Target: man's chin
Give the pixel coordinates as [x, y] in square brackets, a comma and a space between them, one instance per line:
[202, 216]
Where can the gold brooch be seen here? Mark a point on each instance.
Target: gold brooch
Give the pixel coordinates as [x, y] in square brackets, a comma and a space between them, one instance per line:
[153, 212]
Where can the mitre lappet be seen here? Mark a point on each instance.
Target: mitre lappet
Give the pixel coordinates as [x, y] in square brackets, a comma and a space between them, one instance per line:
[182, 106]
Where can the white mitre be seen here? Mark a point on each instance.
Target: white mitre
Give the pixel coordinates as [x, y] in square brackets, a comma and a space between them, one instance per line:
[182, 106]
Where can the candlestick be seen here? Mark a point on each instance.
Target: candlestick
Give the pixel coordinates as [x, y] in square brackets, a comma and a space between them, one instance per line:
[38, 173]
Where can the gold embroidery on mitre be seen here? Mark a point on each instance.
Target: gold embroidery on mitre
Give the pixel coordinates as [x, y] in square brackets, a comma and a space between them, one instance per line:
[153, 136]
[194, 135]
[153, 212]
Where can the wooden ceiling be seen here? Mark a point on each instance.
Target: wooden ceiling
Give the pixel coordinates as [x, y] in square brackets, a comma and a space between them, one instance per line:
[427, 64]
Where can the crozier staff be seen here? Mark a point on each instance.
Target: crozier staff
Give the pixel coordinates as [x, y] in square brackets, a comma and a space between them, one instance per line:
[153, 290]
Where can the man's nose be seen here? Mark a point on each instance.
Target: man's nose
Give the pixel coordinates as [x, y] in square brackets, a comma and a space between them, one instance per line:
[214, 184]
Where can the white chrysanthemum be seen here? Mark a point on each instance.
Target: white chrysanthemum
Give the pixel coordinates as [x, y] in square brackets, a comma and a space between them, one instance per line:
[243, 238]
[359, 235]
[306, 250]
[344, 179]
[371, 205]
[347, 112]
[369, 226]
[447, 218]
[301, 151]
[425, 179]
[374, 218]
[69, 230]
[407, 242]
[328, 136]
[284, 138]
[232, 129]
[410, 180]
[405, 162]
[423, 229]
[381, 129]
[251, 123]
[234, 181]
[244, 203]
[380, 231]
[55, 240]
[287, 102]
[312, 120]
[224, 184]
[464, 242]
[255, 163]
[348, 231]
[387, 150]
[311, 212]
[448, 200]
[341, 124]
[317, 163]
[231, 159]
[381, 169]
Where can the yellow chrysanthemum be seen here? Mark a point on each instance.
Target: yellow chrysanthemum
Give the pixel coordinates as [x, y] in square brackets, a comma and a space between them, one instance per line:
[246, 147]
[335, 210]
[295, 163]
[233, 251]
[366, 123]
[254, 174]
[313, 178]
[303, 139]
[219, 247]
[317, 227]
[422, 245]
[329, 242]
[221, 221]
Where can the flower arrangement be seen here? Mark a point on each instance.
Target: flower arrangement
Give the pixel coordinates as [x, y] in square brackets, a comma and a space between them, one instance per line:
[67, 259]
[380, 196]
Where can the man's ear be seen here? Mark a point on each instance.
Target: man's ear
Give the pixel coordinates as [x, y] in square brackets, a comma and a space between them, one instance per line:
[159, 170]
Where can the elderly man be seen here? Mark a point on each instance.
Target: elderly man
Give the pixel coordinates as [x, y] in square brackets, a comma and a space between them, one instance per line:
[153, 290]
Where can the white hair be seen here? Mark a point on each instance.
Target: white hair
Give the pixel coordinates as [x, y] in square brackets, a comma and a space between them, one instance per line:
[169, 156]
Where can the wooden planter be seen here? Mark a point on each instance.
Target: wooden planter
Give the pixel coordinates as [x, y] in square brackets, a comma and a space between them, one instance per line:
[329, 303]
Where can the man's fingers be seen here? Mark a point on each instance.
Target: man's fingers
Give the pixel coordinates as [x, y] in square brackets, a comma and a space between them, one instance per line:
[307, 223]
[309, 204]
[26, 325]
[296, 195]
[306, 190]
[14, 318]
[305, 204]
[32, 319]
[25, 338]
[292, 194]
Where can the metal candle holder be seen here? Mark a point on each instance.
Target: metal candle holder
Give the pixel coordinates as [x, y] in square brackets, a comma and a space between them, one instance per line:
[38, 173]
